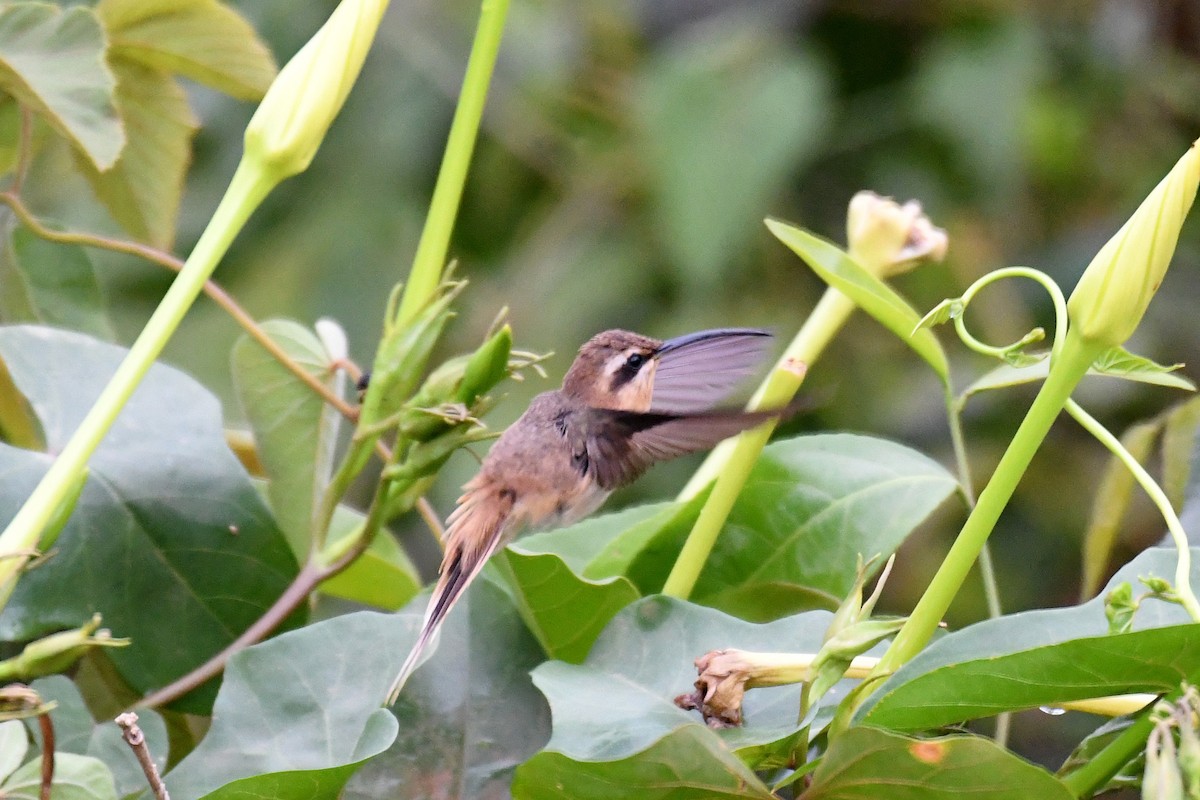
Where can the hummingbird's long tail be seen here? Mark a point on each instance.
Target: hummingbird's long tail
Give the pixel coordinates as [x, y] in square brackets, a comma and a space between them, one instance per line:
[474, 532]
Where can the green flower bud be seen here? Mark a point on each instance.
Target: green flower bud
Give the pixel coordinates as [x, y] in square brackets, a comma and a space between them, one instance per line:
[1119, 608]
[57, 652]
[888, 238]
[1111, 297]
[286, 130]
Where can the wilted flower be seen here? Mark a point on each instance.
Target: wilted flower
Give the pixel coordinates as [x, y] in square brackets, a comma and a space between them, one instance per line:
[1111, 297]
[888, 238]
[725, 675]
[300, 105]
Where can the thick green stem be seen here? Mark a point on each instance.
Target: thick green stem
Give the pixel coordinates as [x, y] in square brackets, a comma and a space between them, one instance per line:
[731, 463]
[1099, 770]
[431, 252]
[246, 191]
[1070, 365]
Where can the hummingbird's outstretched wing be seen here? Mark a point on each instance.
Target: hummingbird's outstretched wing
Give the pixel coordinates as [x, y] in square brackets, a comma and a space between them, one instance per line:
[621, 445]
[474, 532]
[698, 371]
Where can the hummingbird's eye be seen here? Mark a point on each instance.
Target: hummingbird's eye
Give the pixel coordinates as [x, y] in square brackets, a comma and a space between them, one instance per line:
[634, 362]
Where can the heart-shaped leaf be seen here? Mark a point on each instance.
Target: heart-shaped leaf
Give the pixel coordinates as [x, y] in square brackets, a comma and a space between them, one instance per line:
[811, 507]
[169, 539]
[1044, 657]
[867, 763]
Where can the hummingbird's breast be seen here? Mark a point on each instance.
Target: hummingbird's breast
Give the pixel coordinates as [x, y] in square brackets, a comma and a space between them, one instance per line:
[540, 459]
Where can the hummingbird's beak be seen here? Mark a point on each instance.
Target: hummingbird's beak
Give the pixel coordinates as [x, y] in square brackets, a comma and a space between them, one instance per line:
[691, 339]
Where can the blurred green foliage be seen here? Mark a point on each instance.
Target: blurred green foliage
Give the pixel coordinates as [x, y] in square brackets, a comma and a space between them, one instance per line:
[631, 150]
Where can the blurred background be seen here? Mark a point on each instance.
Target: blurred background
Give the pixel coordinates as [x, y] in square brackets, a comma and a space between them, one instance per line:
[630, 151]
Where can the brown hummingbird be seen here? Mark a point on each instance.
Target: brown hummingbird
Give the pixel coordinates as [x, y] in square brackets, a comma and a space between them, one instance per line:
[627, 402]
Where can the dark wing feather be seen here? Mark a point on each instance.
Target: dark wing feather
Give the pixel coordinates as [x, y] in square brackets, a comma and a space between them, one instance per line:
[701, 374]
[621, 445]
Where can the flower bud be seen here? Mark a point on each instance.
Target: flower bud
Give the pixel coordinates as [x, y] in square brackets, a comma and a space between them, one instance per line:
[487, 366]
[1111, 297]
[1162, 779]
[888, 238]
[286, 130]
[1189, 754]
[1119, 608]
[58, 651]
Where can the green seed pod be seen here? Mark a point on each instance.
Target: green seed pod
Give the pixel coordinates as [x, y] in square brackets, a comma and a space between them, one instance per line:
[487, 367]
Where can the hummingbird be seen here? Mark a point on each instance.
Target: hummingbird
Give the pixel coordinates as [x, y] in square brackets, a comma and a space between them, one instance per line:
[627, 402]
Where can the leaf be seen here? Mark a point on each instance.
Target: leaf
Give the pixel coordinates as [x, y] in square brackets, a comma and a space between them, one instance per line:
[1130, 775]
[298, 714]
[76, 777]
[13, 746]
[382, 577]
[199, 39]
[811, 506]
[51, 283]
[707, 194]
[867, 763]
[684, 764]
[868, 292]
[76, 732]
[615, 720]
[1178, 441]
[52, 60]
[1043, 657]
[1109, 504]
[1008, 375]
[1120, 363]
[143, 189]
[295, 429]
[169, 539]
[470, 715]
[943, 312]
[564, 612]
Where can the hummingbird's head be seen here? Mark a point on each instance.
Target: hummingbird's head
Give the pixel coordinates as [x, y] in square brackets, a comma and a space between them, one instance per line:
[614, 369]
[630, 372]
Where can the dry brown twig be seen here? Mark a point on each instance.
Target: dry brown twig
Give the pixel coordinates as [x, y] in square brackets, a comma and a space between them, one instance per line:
[137, 742]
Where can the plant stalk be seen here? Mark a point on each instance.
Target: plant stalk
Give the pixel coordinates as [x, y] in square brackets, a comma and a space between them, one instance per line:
[1070, 365]
[731, 462]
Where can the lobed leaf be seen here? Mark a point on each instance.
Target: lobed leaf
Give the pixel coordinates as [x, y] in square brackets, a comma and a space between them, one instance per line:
[204, 40]
[52, 60]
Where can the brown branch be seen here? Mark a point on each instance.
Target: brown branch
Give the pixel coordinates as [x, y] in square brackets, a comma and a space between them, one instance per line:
[47, 727]
[136, 740]
[306, 581]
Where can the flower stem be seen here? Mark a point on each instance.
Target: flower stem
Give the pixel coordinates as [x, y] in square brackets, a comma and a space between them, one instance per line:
[1068, 367]
[731, 462]
[434, 244]
[1183, 568]
[245, 192]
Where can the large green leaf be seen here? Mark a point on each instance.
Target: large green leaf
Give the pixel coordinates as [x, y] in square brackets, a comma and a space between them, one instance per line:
[199, 39]
[866, 763]
[470, 714]
[868, 292]
[563, 611]
[76, 732]
[296, 432]
[50, 283]
[811, 506]
[709, 194]
[297, 715]
[13, 746]
[52, 61]
[76, 777]
[1045, 657]
[169, 539]
[142, 190]
[614, 715]
[568, 583]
